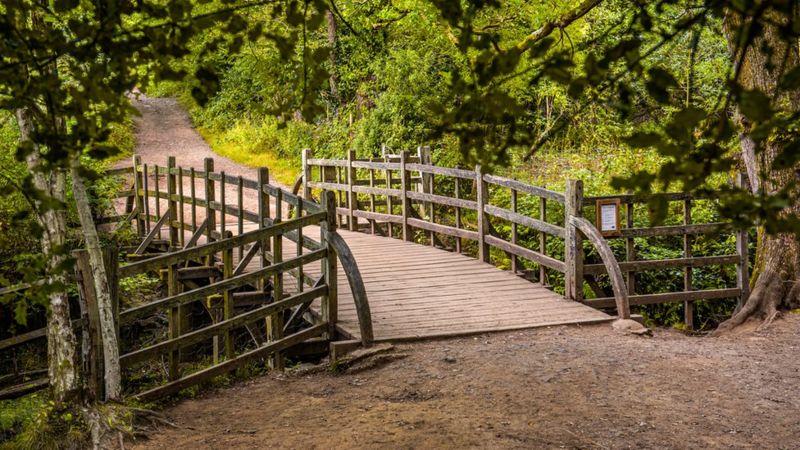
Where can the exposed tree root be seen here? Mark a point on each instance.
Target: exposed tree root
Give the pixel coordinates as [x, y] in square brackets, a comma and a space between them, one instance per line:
[771, 293]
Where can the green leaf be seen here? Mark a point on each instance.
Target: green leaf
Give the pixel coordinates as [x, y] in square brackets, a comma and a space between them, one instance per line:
[755, 105]
[643, 139]
[659, 83]
[791, 79]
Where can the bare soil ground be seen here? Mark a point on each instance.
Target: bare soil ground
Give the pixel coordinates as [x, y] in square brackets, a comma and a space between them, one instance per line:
[561, 387]
[165, 129]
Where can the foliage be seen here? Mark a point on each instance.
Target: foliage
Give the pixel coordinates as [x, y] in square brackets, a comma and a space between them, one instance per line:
[33, 423]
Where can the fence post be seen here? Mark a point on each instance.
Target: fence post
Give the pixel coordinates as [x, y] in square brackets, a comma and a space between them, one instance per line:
[330, 304]
[389, 205]
[482, 197]
[211, 225]
[424, 154]
[573, 250]
[630, 249]
[172, 204]
[352, 197]
[405, 185]
[111, 262]
[427, 180]
[742, 249]
[227, 299]
[688, 305]
[514, 233]
[307, 154]
[157, 195]
[263, 216]
[275, 323]
[174, 316]
[138, 197]
[542, 240]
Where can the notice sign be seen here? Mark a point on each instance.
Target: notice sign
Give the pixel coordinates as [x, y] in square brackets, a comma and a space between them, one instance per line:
[608, 217]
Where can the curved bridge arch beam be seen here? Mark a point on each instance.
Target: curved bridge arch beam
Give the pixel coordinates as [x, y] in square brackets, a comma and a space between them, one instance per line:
[356, 282]
[614, 272]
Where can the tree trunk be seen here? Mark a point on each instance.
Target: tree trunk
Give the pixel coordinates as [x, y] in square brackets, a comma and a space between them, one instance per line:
[777, 256]
[61, 341]
[332, 43]
[108, 330]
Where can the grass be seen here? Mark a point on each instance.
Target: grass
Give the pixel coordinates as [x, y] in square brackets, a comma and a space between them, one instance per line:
[243, 145]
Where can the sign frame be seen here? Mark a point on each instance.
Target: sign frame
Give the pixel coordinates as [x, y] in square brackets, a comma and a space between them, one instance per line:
[599, 211]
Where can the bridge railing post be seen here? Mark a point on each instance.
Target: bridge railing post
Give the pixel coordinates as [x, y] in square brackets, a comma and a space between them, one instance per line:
[264, 215]
[482, 197]
[389, 182]
[405, 185]
[427, 186]
[352, 197]
[573, 249]
[172, 204]
[138, 179]
[307, 154]
[330, 306]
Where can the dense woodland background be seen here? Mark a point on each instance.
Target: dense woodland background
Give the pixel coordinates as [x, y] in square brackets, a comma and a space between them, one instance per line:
[383, 75]
[624, 95]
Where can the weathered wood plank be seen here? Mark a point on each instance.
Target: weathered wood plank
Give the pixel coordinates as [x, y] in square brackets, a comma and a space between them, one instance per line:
[443, 229]
[524, 187]
[526, 253]
[442, 200]
[217, 246]
[649, 299]
[437, 170]
[656, 264]
[234, 363]
[530, 222]
[206, 333]
[216, 288]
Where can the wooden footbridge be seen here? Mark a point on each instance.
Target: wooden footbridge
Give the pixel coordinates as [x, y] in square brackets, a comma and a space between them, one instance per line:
[385, 249]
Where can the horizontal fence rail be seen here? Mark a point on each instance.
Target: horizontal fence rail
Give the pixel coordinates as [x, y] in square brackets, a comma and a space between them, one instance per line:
[408, 197]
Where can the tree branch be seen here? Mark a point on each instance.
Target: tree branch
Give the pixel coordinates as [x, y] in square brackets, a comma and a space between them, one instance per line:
[562, 22]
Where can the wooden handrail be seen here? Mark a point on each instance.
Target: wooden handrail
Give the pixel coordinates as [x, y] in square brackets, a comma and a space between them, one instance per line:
[614, 272]
[407, 191]
[217, 246]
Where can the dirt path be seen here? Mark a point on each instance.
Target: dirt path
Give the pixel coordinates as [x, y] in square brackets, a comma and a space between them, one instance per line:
[164, 129]
[565, 387]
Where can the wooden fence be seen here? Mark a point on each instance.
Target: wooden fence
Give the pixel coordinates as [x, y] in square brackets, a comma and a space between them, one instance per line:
[406, 196]
[231, 263]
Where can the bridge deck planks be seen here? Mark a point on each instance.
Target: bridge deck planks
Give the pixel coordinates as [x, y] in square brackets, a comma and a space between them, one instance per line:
[419, 292]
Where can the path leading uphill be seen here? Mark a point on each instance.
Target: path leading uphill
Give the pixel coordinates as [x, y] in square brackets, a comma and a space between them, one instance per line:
[164, 128]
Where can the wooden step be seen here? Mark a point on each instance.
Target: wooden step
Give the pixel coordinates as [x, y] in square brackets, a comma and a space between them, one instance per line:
[197, 273]
[243, 299]
[254, 298]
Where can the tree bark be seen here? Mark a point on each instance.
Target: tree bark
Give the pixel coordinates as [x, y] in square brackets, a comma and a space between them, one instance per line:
[102, 290]
[61, 341]
[777, 266]
[334, 81]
